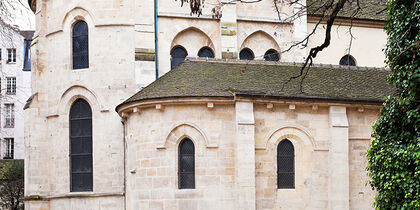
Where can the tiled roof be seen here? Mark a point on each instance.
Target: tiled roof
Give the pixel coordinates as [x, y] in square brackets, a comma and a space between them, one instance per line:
[199, 78]
[370, 9]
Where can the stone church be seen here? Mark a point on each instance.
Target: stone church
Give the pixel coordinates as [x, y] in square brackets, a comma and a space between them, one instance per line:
[139, 105]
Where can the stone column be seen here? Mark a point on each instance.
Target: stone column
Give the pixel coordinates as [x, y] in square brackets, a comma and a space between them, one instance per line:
[229, 30]
[338, 157]
[245, 155]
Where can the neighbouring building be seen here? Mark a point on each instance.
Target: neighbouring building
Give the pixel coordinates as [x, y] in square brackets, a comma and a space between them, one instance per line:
[120, 118]
[15, 88]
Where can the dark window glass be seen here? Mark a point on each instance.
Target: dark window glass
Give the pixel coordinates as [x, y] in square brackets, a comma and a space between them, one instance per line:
[178, 55]
[81, 146]
[27, 55]
[246, 54]
[205, 52]
[80, 45]
[271, 55]
[186, 174]
[347, 60]
[285, 165]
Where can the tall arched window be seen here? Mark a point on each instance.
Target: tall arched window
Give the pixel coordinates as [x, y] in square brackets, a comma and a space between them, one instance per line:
[271, 55]
[285, 165]
[186, 164]
[246, 54]
[347, 60]
[178, 55]
[205, 52]
[80, 45]
[81, 147]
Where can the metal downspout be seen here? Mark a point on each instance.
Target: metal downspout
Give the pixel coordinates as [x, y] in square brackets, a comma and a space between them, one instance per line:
[156, 40]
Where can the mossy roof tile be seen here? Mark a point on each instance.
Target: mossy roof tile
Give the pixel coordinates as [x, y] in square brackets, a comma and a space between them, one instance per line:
[199, 78]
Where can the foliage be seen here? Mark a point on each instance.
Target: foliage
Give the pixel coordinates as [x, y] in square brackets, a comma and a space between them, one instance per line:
[11, 184]
[394, 153]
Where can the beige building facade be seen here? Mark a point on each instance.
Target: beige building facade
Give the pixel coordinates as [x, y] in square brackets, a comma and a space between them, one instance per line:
[235, 121]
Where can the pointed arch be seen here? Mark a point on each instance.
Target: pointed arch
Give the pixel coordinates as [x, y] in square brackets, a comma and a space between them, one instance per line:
[192, 39]
[259, 42]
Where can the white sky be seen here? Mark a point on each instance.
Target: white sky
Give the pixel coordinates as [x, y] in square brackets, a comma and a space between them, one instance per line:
[22, 16]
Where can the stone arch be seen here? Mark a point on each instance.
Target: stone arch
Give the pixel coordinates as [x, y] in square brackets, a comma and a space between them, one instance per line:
[295, 133]
[192, 39]
[76, 14]
[72, 94]
[185, 130]
[259, 42]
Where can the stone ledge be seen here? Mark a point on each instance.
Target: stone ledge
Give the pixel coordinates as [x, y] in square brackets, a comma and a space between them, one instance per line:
[73, 195]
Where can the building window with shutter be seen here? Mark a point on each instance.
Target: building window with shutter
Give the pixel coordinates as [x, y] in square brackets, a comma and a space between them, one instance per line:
[80, 45]
[11, 55]
[285, 165]
[186, 164]
[11, 85]
[9, 110]
[81, 173]
[10, 144]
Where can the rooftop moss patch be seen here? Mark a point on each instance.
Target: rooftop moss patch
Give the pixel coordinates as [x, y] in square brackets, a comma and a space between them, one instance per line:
[212, 78]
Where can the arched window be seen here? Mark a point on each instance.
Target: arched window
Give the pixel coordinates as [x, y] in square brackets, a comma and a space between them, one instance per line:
[81, 147]
[205, 52]
[285, 165]
[246, 54]
[80, 45]
[178, 55]
[347, 60]
[271, 55]
[186, 165]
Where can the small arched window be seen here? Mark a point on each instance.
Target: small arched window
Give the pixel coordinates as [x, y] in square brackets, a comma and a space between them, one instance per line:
[347, 60]
[271, 55]
[80, 45]
[205, 52]
[81, 177]
[285, 165]
[246, 54]
[186, 164]
[178, 55]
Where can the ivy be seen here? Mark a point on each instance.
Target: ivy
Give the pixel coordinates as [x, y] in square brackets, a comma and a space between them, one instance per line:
[394, 153]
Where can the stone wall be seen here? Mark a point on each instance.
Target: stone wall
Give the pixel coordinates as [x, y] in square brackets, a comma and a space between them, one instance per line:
[223, 135]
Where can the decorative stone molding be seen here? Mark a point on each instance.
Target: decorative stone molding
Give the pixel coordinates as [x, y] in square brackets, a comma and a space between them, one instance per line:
[73, 93]
[182, 130]
[288, 131]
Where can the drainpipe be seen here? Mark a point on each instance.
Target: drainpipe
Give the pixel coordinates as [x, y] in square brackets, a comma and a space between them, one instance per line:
[156, 40]
[125, 175]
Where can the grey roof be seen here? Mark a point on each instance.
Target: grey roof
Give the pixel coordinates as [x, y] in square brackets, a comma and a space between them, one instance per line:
[199, 78]
[27, 34]
[374, 10]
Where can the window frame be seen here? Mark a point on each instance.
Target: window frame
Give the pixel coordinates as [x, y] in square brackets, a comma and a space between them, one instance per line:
[9, 110]
[11, 85]
[291, 157]
[181, 172]
[205, 48]
[11, 55]
[249, 50]
[349, 59]
[72, 154]
[73, 37]
[10, 148]
[172, 56]
[271, 51]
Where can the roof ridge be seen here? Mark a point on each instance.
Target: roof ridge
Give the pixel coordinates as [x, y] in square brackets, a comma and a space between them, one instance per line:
[278, 63]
